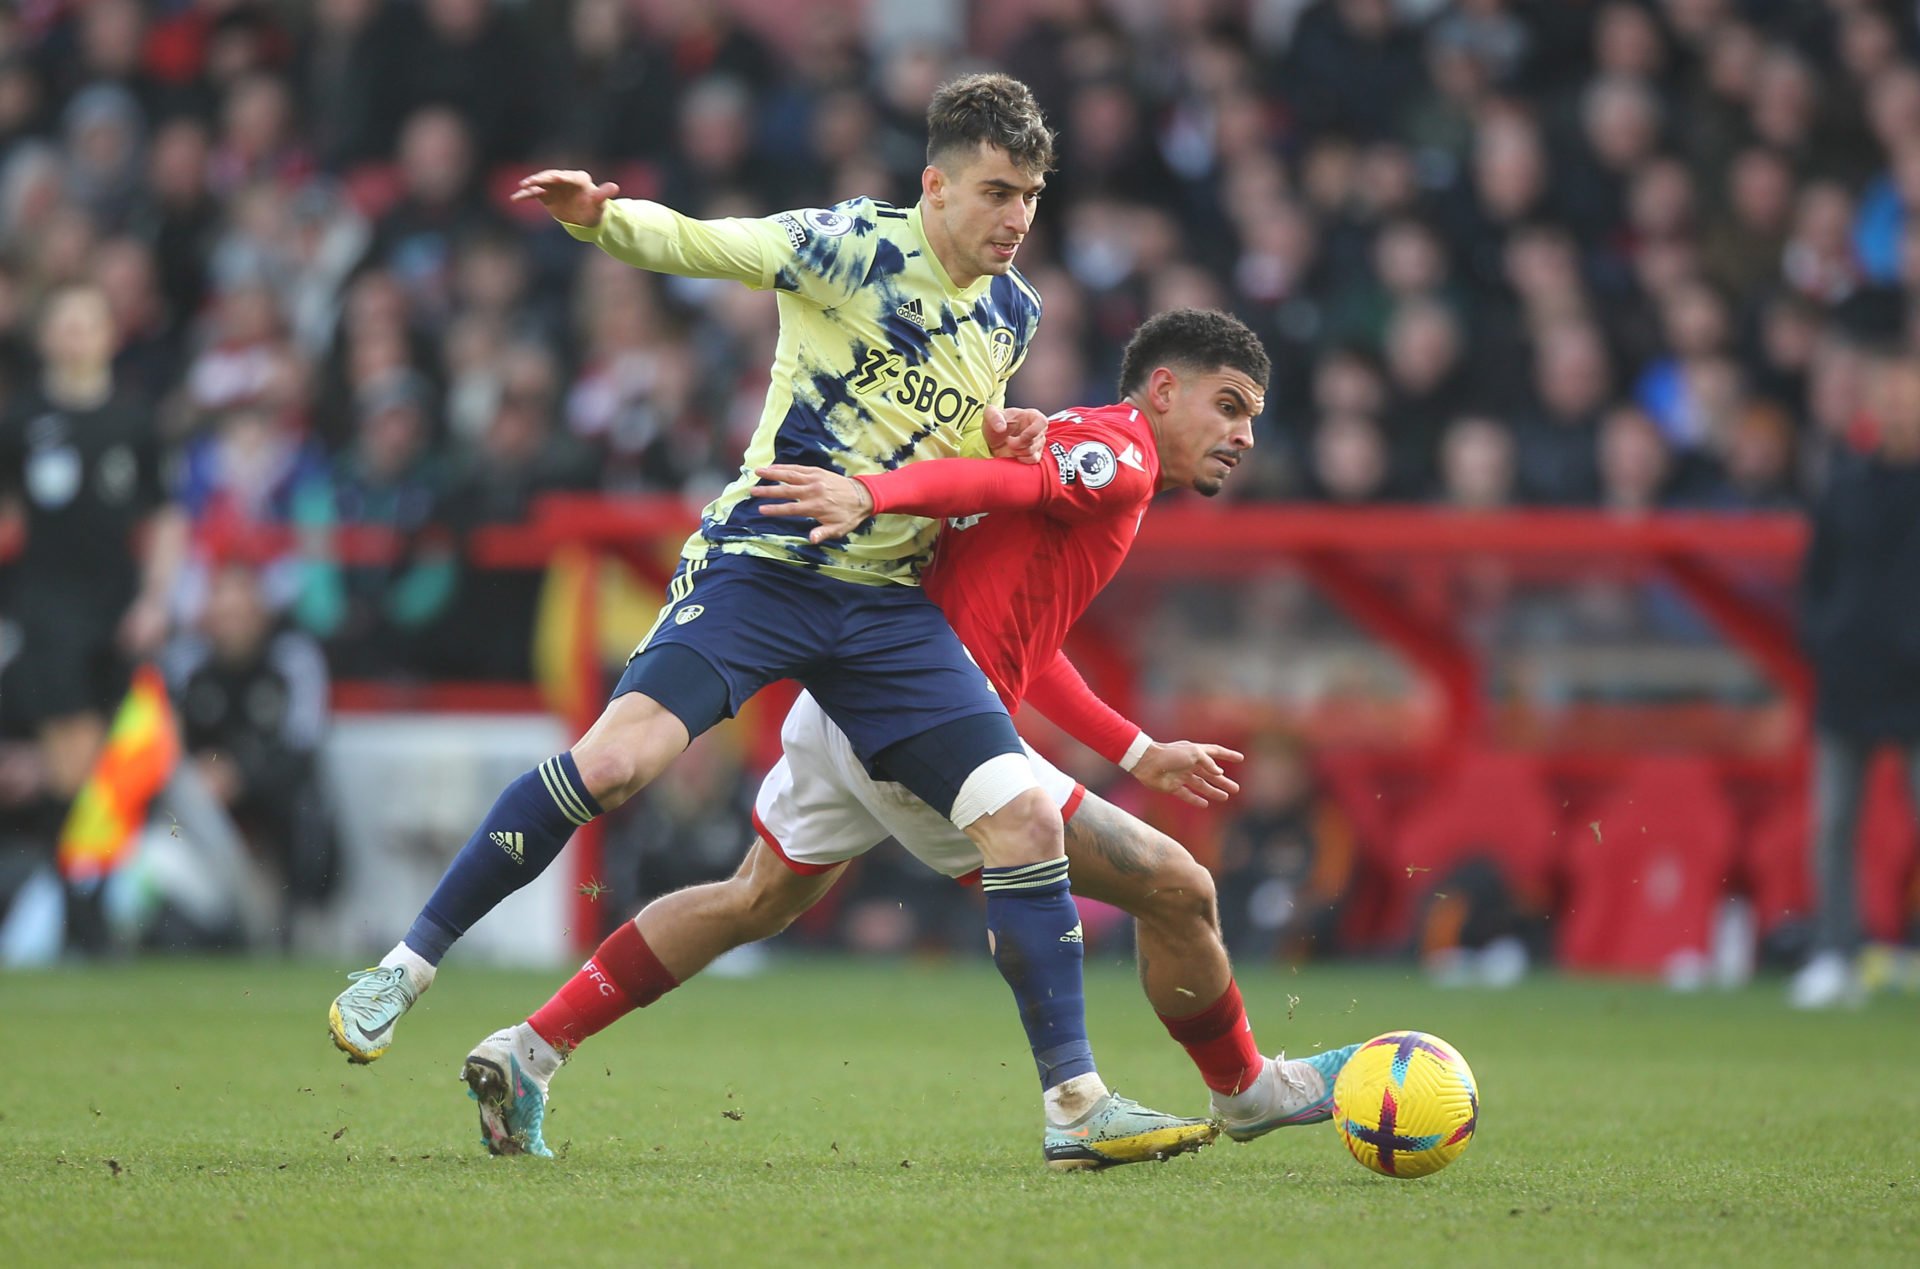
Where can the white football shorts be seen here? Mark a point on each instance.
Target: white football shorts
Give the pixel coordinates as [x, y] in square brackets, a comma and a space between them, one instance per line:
[818, 807]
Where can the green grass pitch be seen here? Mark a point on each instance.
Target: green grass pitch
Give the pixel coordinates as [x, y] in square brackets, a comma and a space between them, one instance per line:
[840, 1113]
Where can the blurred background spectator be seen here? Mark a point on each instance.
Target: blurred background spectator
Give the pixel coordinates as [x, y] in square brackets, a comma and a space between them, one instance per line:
[253, 710]
[1523, 213]
[1862, 574]
[1287, 858]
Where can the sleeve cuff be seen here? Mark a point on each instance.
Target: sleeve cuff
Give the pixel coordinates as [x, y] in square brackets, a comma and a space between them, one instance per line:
[1136, 751]
[873, 488]
[634, 214]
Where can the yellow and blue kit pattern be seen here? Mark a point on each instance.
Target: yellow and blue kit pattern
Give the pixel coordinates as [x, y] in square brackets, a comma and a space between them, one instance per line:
[882, 360]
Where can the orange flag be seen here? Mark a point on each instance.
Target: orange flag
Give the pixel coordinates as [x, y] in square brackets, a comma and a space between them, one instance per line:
[138, 759]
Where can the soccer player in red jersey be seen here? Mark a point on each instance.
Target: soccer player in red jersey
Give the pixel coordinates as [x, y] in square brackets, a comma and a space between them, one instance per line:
[1033, 548]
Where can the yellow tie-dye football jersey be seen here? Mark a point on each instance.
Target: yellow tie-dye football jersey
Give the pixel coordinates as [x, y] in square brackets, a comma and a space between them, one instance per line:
[882, 360]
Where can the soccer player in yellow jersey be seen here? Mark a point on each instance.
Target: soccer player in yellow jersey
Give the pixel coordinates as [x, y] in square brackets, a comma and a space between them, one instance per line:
[899, 328]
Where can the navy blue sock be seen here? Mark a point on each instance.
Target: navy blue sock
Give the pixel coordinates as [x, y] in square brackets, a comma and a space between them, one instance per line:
[521, 835]
[1038, 949]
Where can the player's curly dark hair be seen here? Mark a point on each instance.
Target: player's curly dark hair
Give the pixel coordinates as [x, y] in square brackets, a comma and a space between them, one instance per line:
[1195, 339]
[997, 109]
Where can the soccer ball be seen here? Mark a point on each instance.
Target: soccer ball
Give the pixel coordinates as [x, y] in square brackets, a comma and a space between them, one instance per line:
[1406, 1104]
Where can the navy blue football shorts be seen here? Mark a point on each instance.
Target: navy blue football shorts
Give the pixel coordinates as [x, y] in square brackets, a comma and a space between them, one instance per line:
[881, 661]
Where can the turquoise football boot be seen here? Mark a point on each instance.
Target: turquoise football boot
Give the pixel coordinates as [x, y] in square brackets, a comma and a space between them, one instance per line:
[513, 1100]
[1287, 1092]
[1118, 1130]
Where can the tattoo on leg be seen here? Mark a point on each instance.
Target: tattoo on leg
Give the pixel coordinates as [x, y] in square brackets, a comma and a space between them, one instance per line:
[1127, 845]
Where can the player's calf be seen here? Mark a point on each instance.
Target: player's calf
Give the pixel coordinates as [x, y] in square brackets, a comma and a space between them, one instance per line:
[672, 939]
[524, 831]
[690, 928]
[1117, 859]
[1183, 962]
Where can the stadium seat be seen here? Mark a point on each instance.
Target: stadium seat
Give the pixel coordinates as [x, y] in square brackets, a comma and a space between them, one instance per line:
[1647, 871]
[1779, 860]
[1491, 806]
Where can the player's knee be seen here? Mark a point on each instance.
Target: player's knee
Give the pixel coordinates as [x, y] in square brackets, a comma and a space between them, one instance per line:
[610, 773]
[1026, 830]
[1180, 892]
[630, 744]
[762, 911]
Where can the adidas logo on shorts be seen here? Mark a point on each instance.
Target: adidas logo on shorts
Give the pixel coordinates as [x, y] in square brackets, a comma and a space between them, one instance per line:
[513, 843]
[1073, 935]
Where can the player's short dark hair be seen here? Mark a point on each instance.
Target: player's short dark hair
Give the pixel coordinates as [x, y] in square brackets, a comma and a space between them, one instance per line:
[997, 109]
[1196, 339]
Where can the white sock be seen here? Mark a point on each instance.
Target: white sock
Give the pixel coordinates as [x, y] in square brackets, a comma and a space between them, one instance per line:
[419, 971]
[1070, 1099]
[539, 1057]
[1252, 1097]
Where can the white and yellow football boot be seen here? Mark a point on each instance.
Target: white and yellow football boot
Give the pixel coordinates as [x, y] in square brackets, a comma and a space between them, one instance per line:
[363, 1016]
[1118, 1130]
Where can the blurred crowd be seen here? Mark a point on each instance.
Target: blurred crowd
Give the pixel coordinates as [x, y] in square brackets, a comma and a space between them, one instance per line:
[1581, 252]
[1629, 254]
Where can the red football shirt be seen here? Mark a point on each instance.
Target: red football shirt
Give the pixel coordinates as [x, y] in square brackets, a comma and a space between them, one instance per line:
[1029, 547]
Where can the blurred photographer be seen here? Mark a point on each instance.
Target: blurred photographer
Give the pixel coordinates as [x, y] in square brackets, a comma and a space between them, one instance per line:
[252, 699]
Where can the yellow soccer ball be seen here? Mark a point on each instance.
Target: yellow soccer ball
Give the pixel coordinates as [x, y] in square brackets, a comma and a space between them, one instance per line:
[1406, 1104]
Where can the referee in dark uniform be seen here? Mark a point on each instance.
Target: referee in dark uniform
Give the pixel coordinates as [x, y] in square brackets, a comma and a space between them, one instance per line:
[80, 463]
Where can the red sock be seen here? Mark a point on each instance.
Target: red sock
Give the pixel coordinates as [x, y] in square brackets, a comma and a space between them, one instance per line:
[1219, 1039]
[622, 975]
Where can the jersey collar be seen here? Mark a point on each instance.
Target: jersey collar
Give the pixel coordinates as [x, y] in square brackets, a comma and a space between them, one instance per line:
[980, 284]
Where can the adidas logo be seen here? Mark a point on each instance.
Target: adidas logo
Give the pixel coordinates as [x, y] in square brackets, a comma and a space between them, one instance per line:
[515, 846]
[1071, 936]
[912, 311]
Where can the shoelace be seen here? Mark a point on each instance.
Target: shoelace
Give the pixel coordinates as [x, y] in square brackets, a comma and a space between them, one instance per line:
[395, 976]
[1297, 1080]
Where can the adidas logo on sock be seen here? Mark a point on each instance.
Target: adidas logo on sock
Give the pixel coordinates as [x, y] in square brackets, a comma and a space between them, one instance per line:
[513, 843]
[912, 311]
[1073, 935]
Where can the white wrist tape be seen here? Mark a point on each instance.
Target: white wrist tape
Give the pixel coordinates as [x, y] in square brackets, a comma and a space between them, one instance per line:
[1136, 751]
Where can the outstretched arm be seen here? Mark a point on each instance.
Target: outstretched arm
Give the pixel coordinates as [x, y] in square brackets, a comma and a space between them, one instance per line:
[650, 236]
[1189, 771]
